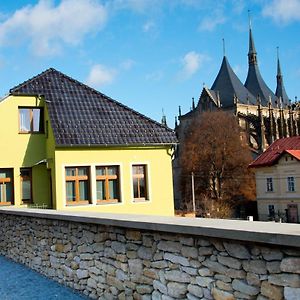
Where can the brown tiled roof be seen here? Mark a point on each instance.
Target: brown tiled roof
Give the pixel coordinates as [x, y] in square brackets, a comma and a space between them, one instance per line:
[81, 116]
[289, 145]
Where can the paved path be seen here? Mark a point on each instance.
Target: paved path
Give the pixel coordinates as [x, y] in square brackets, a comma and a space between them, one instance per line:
[17, 282]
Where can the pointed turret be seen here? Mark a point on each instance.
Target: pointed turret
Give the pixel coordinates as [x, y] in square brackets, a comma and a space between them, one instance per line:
[228, 87]
[252, 55]
[280, 90]
[254, 82]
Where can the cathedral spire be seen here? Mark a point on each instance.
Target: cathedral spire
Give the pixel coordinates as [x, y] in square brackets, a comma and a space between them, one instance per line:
[252, 55]
[280, 90]
[254, 82]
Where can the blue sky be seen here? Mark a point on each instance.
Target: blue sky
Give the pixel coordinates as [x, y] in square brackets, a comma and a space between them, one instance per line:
[148, 54]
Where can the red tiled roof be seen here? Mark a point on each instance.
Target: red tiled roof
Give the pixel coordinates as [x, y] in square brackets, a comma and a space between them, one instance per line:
[289, 145]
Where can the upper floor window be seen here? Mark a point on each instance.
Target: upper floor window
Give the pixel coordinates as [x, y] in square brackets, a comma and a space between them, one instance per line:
[78, 185]
[31, 120]
[291, 184]
[139, 180]
[6, 186]
[108, 184]
[269, 184]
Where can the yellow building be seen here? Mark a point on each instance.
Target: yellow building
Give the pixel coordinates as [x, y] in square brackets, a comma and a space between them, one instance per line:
[67, 146]
[277, 172]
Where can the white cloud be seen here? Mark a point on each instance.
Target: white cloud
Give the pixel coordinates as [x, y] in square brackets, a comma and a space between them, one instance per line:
[101, 75]
[139, 6]
[191, 62]
[148, 26]
[210, 22]
[283, 11]
[48, 27]
[155, 76]
[127, 64]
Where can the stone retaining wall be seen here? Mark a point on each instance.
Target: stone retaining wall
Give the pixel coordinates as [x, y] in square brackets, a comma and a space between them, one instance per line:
[110, 262]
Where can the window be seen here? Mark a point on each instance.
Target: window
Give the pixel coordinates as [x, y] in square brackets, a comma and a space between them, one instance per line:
[108, 184]
[31, 120]
[291, 184]
[6, 186]
[139, 181]
[77, 185]
[269, 184]
[271, 211]
[26, 185]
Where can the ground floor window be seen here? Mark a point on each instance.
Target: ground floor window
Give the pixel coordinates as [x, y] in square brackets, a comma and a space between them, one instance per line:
[77, 185]
[26, 185]
[139, 181]
[6, 186]
[108, 184]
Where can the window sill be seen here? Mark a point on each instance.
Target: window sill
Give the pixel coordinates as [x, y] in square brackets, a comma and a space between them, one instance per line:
[77, 203]
[31, 132]
[103, 202]
[5, 203]
[140, 200]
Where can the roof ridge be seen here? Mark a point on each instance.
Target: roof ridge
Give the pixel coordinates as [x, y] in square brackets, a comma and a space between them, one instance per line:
[114, 101]
[31, 79]
[85, 86]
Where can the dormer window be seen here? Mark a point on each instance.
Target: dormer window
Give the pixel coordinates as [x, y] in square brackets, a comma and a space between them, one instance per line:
[31, 120]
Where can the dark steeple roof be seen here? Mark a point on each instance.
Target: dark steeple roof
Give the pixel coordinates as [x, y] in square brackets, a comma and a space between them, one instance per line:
[82, 116]
[280, 90]
[254, 82]
[229, 86]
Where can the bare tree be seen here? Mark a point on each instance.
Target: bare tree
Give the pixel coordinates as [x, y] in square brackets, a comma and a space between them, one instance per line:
[215, 152]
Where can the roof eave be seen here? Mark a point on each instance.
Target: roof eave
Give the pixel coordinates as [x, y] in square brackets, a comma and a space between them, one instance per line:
[116, 145]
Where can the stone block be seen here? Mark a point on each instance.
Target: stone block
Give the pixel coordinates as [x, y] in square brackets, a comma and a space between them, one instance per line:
[177, 290]
[176, 259]
[237, 250]
[215, 266]
[204, 281]
[204, 251]
[205, 272]
[81, 274]
[285, 279]
[291, 293]
[221, 295]
[160, 287]
[177, 276]
[290, 265]
[270, 254]
[271, 291]
[191, 252]
[223, 285]
[243, 287]
[195, 290]
[273, 267]
[253, 279]
[230, 262]
[258, 267]
[169, 246]
[135, 266]
[145, 253]
[144, 289]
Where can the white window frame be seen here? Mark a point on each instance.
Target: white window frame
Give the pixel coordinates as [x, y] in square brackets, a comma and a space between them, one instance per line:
[93, 188]
[291, 184]
[148, 182]
[270, 186]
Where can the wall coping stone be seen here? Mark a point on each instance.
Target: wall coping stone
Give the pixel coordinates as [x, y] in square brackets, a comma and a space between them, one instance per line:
[251, 231]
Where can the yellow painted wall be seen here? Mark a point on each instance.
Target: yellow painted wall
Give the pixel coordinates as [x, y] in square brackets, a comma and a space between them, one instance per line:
[159, 178]
[22, 150]
[25, 150]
